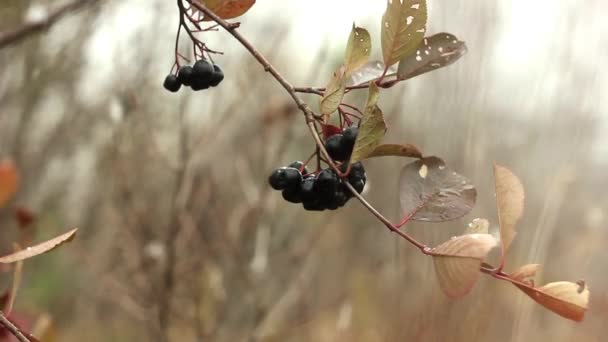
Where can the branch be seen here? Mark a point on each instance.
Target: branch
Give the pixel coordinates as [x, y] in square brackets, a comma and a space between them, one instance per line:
[8, 38]
[4, 321]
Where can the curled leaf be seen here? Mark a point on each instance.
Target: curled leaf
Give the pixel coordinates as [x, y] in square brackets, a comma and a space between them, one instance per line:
[334, 92]
[509, 203]
[370, 71]
[478, 226]
[227, 9]
[371, 129]
[430, 191]
[9, 180]
[396, 150]
[567, 299]
[526, 273]
[434, 52]
[358, 49]
[403, 27]
[38, 249]
[457, 262]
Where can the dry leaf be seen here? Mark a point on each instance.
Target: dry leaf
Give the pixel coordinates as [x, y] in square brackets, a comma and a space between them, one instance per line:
[334, 92]
[509, 203]
[9, 181]
[567, 299]
[406, 150]
[227, 9]
[457, 262]
[403, 27]
[358, 49]
[38, 249]
[526, 273]
[478, 226]
[371, 129]
[434, 52]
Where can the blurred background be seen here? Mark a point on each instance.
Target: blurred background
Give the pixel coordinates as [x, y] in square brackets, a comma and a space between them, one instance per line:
[180, 237]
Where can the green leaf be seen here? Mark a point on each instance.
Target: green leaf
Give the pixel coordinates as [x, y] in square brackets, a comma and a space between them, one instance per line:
[396, 150]
[372, 128]
[334, 92]
[403, 28]
[434, 52]
[457, 262]
[358, 49]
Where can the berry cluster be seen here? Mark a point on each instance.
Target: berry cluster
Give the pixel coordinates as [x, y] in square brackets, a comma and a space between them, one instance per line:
[340, 146]
[322, 191]
[201, 75]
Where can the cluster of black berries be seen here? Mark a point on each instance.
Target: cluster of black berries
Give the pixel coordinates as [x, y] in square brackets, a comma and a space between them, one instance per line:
[322, 191]
[201, 75]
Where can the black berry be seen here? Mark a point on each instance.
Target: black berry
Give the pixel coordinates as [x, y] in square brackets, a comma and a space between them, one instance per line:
[349, 136]
[285, 177]
[358, 185]
[307, 187]
[300, 166]
[184, 75]
[326, 183]
[171, 83]
[335, 148]
[202, 71]
[292, 195]
[217, 76]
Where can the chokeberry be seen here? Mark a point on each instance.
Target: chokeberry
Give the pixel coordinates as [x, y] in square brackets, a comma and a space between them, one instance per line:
[327, 182]
[202, 70]
[314, 205]
[307, 187]
[349, 136]
[184, 75]
[358, 185]
[285, 177]
[335, 148]
[356, 172]
[217, 76]
[171, 83]
[300, 166]
[292, 195]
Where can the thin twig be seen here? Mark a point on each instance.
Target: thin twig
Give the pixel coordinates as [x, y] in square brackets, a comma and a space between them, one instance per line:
[12, 328]
[12, 37]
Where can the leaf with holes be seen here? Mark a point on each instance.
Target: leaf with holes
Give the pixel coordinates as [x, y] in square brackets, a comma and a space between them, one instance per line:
[370, 71]
[358, 49]
[457, 262]
[371, 129]
[434, 52]
[9, 181]
[526, 273]
[227, 9]
[334, 92]
[403, 27]
[430, 191]
[567, 299]
[396, 150]
[509, 203]
[478, 226]
[38, 249]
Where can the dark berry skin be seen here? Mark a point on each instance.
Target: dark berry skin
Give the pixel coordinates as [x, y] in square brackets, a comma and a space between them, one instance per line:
[300, 166]
[314, 205]
[356, 172]
[202, 71]
[171, 83]
[217, 77]
[358, 185]
[307, 187]
[184, 75]
[348, 138]
[326, 183]
[285, 177]
[335, 148]
[292, 195]
[199, 84]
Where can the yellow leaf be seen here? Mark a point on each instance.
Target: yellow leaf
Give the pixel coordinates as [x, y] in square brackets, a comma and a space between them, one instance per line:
[457, 262]
[334, 92]
[509, 203]
[228, 9]
[567, 299]
[371, 129]
[358, 49]
[403, 28]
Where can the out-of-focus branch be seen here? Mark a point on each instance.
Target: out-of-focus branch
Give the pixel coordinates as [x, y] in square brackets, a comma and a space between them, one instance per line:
[12, 328]
[8, 38]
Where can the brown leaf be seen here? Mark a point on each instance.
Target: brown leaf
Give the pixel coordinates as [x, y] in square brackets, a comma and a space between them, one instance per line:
[24, 217]
[406, 150]
[17, 276]
[457, 262]
[478, 226]
[371, 129]
[370, 71]
[403, 27]
[358, 49]
[334, 92]
[434, 52]
[430, 191]
[567, 299]
[227, 9]
[526, 273]
[9, 181]
[509, 203]
[38, 249]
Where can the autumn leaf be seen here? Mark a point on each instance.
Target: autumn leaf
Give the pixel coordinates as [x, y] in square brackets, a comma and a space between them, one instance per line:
[358, 49]
[457, 262]
[396, 150]
[41, 248]
[430, 191]
[478, 226]
[370, 71]
[567, 299]
[509, 203]
[371, 129]
[9, 181]
[403, 27]
[227, 9]
[434, 52]
[334, 92]
[526, 273]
